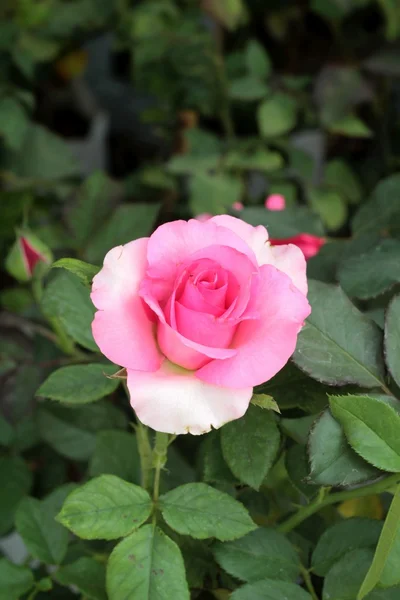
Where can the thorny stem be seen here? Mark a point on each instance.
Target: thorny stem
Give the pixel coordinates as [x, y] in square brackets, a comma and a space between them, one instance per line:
[307, 511]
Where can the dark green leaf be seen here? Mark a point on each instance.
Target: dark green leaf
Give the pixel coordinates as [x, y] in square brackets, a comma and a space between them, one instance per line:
[338, 344]
[84, 271]
[332, 460]
[198, 510]
[277, 115]
[341, 538]
[296, 463]
[6, 432]
[284, 224]
[345, 577]
[392, 339]
[250, 444]
[105, 508]
[373, 273]
[269, 589]
[382, 211]
[256, 160]
[16, 481]
[15, 580]
[79, 384]
[147, 565]
[116, 454]
[338, 174]
[298, 429]
[372, 427]
[14, 123]
[263, 553]
[257, 60]
[215, 468]
[213, 193]
[248, 87]
[87, 575]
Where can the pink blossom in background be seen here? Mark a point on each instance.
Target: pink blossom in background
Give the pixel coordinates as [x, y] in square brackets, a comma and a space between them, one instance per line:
[203, 217]
[199, 313]
[275, 202]
[309, 244]
[238, 206]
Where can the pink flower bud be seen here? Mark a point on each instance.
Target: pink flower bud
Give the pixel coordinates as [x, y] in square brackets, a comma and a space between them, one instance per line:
[203, 217]
[24, 255]
[275, 202]
[238, 206]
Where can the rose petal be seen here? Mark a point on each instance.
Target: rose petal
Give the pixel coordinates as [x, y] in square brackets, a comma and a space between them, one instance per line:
[265, 345]
[203, 328]
[121, 327]
[173, 400]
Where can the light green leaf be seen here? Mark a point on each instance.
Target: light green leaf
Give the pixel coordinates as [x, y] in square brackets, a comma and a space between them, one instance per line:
[116, 453]
[382, 212]
[45, 539]
[198, 510]
[338, 344]
[87, 575]
[265, 401]
[15, 580]
[350, 126]
[230, 13]
[255, 160]
[386, 558]
[84, 271]
[277, 115]
[128, 222]
[373, 273]
[330, 206]
[14, 123]
[345, 577]
[392, 339]
[268, 589]
[261, 554]
[213, 193]
[341, 538]
[105, 508]
[257, 60]
[248, 87]
[17, 481]
[147, 565]
[332, 460]
[339, 175]
[67, 299]
[79, 384]
[372, 427]
[391, 11]
[250, 444]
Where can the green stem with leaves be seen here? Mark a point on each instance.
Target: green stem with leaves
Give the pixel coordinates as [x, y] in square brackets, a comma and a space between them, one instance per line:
[308, 582]
[321, 502]
[145, 453]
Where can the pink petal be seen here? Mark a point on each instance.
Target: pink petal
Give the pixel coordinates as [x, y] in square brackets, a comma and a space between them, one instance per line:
[175, 401]
[121, 328]
[203, 328]
[275, 202]
[309, 244]
[263, 346]
[30, 255]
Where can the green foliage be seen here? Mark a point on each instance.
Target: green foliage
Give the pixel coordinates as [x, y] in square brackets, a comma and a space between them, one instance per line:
[15, 580]
[87, 575]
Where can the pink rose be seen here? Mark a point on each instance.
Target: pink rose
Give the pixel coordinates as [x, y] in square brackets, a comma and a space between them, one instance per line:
[309, 244]
[199, 313]
[275, 202]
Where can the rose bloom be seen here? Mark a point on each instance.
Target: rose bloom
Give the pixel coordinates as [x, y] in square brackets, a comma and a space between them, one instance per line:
[199, 313]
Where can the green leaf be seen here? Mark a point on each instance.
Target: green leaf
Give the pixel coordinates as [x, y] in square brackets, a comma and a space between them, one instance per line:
[268, 589]
[372, 427]
[94, 202]
[261, 554]
[198, 510]
[382, 211]
[332, 460]
[45, 539]
[215, 468]
[68, 300]
[84, 271]
[255, 160]
[392, 339]
[105, 508]
[213, 193]
[230, 13]
[15, 580]
[250, 444]
[116, 453]
[298, 429]
[373, 273]
[147, 565]
[257, 60]
[330, 206]
[6, 430]
[386, 558]
[204, 152]
[79, 384]
[71, 431]
[14, 123]
[128, 222]
[284, 224]
[265, 401]
[391, 11]
[277, 115]
[341, 538]
[248, 87]
[338, 344]
[17, 481]
[350, 126]
[43, 155]
[345, 577]
[87, 575]
[296, 463]
[339, 175]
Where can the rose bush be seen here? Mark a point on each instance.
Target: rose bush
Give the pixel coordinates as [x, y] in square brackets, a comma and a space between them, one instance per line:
[199, 313]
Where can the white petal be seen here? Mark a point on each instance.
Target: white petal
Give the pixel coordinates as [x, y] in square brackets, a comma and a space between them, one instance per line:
[173, 400]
